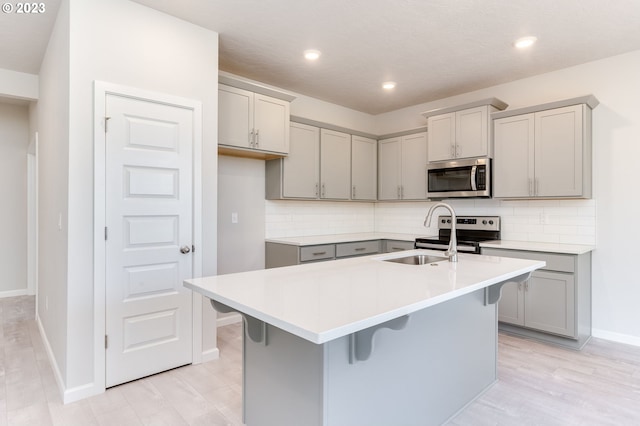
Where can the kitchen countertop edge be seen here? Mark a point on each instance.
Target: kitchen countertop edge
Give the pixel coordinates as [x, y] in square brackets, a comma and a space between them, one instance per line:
[538, 246]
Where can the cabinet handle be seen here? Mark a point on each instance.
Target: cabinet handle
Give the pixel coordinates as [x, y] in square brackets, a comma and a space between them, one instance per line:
[251, 138]
[530, 186]
[317, 190]
[396, 249]
[257, 138]
[360, 248]
[399, 195]
[319, 253]
[353, 192]
[323, 191]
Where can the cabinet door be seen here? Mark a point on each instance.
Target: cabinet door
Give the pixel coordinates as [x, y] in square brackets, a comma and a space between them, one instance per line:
[364, 168]
[511, 305]
[441, 134]
[414, 167]
[513, 165]
[301, 168]
[550, 303]
[335, 165]
[559, 152]
[235, 116]
[271, 122]
[389, 164]
[472, 135]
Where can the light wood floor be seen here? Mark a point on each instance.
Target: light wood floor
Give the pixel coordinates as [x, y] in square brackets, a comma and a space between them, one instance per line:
[539, 385]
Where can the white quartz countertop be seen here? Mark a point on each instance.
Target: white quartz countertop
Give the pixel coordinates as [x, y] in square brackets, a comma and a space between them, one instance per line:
[324, 301]
[313, 240]
[535, 246]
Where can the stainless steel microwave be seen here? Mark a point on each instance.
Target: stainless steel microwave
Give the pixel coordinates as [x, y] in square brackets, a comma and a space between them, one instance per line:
[459, 178]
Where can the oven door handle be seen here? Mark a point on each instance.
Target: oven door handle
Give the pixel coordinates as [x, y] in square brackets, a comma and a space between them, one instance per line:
[474, 170]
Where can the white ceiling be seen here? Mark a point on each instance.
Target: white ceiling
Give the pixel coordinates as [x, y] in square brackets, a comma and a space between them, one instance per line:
[432, 48]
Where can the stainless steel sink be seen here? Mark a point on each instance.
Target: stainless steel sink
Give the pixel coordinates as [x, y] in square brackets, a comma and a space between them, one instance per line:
[417, 259]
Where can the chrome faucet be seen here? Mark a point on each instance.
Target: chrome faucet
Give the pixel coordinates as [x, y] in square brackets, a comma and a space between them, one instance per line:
[453, 241]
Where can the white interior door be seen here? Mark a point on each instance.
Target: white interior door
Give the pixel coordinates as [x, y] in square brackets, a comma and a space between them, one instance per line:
[149, 234]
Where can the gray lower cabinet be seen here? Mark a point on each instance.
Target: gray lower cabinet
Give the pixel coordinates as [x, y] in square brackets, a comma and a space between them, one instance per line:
[554, 304]
[280, 254]
[390, 246]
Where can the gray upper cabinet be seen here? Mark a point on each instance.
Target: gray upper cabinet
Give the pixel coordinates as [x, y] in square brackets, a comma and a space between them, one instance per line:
[462, 131]
[298, 174]
[335, 165]
[324, 164]
[543, 153]
[402, 165]
[252, 121]
[364, 168]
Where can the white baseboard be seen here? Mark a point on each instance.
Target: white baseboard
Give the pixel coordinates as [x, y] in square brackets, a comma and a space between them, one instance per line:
[210, 355]
[227, 320]
[616, 337]
[52, 358]
[13, 293]
[72, 394]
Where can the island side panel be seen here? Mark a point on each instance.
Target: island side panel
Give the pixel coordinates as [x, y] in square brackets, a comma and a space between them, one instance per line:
[421, 375]
[283, 381]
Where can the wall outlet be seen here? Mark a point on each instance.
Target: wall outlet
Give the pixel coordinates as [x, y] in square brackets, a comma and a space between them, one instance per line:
[234, 217]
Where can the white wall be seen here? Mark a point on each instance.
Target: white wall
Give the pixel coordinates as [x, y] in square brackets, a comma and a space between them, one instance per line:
[120, 42]
[14, 142]
[18, 85]
[53, 165]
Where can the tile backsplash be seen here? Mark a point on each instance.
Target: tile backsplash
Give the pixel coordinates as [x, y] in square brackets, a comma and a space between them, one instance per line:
[556, 221]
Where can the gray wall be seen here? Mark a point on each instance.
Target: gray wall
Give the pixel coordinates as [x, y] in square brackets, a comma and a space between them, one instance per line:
[240, 191]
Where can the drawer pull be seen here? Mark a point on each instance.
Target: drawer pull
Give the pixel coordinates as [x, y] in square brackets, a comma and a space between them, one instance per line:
[319, 253]
[360, 248]
[397, 249]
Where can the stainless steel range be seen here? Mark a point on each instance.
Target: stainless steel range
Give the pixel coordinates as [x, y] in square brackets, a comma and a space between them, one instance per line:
[471, 231]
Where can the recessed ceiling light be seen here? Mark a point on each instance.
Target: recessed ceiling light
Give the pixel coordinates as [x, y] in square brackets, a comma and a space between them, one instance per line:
[311, 54]
[388, 85]
[524, 42]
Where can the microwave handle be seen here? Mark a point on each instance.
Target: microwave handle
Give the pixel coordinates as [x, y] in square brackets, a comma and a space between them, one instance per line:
[474, 169]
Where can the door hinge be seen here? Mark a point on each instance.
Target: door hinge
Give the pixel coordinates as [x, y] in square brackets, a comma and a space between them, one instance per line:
[105, 233]
[106, 341]
[106, 121]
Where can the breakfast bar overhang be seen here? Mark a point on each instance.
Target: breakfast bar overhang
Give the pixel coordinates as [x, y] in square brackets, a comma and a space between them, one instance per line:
[366, 341]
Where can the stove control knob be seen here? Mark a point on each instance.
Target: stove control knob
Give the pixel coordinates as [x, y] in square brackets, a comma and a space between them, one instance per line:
[444, 221]
[484, 222]
[490, 222]
[448, 220]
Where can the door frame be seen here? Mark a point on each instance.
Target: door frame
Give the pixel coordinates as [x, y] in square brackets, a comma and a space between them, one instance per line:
[100, 90]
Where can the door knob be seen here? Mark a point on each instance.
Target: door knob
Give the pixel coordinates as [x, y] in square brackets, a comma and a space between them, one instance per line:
[185, 249]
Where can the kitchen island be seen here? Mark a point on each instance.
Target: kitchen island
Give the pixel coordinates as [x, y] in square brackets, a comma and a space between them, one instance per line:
[366, 341]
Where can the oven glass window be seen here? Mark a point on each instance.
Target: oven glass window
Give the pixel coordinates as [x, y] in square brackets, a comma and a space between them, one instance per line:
[454, 179]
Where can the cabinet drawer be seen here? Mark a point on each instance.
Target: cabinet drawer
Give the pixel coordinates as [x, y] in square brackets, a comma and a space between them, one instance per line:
[397, 245]
[555, 261]
[358, 248]
[326, 251]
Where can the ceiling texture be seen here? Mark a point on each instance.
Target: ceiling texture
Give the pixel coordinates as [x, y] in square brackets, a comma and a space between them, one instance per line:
[432, 48]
